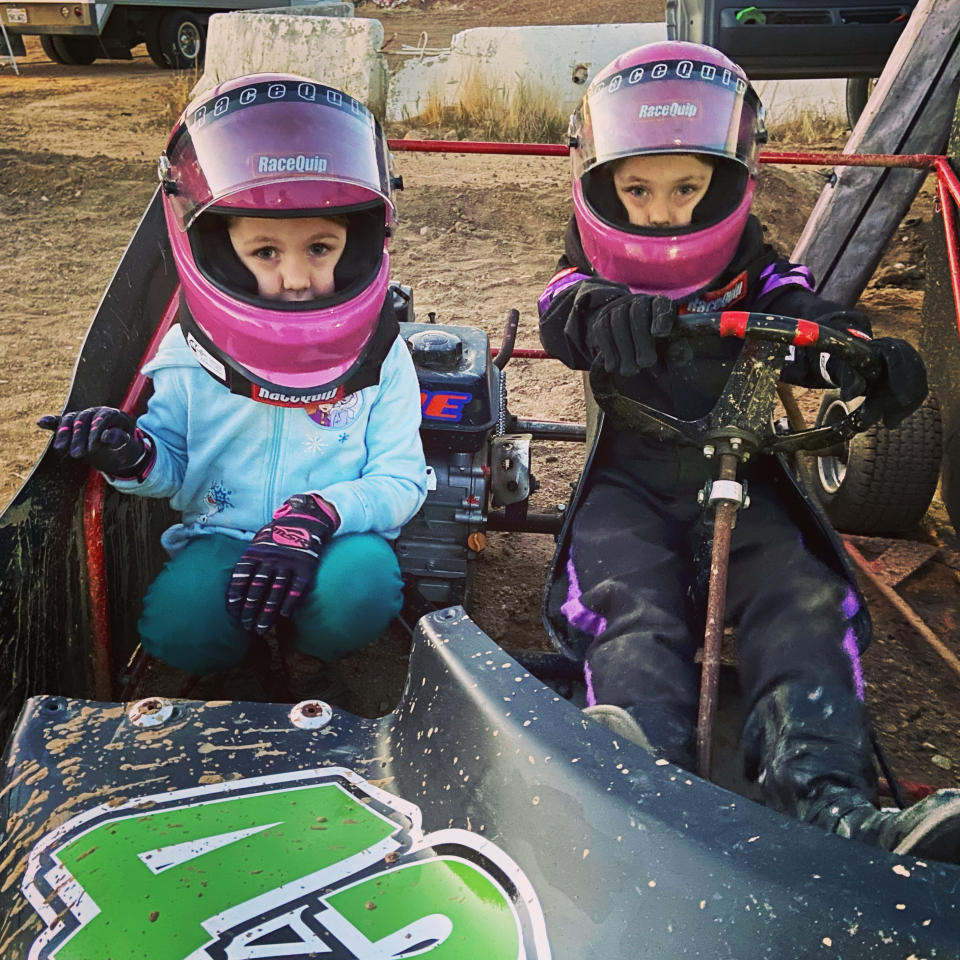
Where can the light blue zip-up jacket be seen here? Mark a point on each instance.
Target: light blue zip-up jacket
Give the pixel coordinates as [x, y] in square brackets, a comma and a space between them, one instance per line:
[227, 462]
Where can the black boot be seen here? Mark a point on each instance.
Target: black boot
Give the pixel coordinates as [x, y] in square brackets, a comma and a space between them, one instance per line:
[810, 750]
[306, 677]
[930, 829]
[620, 722]
[660, 732]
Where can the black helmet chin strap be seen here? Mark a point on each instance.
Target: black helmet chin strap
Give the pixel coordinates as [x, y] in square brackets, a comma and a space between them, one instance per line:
[727, 187]
[363, 251]
[365, 372]
[214, 255]
[601, 193]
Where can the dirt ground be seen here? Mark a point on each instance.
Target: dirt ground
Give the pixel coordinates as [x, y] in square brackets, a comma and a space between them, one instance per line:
[479, 235]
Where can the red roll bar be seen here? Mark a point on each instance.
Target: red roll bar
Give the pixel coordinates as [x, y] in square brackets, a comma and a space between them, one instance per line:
[948, 193]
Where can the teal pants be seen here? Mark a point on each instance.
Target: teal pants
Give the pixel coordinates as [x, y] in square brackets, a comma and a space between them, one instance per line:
[357, 592]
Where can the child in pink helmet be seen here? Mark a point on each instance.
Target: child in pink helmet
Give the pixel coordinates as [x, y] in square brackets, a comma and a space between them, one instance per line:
[664, 152]
[285, 414]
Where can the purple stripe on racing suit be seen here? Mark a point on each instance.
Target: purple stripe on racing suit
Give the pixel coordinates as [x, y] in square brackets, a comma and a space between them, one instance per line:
[783, 274]
[560, 281]
[588, 682]
[851, 606]
[852, 651]
[574, 610]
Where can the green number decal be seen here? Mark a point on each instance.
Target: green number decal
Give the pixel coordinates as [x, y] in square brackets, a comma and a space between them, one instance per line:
[473, 919]
[317, 863]
[160, 875]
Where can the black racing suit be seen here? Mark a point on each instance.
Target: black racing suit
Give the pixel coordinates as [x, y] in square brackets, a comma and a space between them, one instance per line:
[625, 592]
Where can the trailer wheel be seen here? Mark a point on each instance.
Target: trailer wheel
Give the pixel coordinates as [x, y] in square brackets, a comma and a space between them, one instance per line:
[46, 41]
[155, 48]
[183, 39]
[884, 480]
[76, 51]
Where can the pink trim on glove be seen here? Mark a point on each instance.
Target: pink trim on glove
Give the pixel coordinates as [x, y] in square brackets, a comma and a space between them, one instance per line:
[296, 537]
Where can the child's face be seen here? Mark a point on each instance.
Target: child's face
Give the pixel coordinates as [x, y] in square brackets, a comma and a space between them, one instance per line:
[661, 189]
[292, 259]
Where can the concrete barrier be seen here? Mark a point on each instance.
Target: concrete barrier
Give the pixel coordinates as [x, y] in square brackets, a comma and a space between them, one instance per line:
[343, 52]
[556, 62]
[560, 61]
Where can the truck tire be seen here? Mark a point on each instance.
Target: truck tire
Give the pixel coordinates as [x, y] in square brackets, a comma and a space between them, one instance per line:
[183, 38]
[76, 51]
[885, 479]
[858, 93]
[155, 48]
[46, 41]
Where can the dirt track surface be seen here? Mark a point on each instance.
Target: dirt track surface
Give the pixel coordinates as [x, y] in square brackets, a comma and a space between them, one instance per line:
[479, 235]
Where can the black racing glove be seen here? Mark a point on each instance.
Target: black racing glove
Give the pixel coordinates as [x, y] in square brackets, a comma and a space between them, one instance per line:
[281, 562]
[901, 387]
[899, 390]
[850, 383]
[622, 327]
[106, 438]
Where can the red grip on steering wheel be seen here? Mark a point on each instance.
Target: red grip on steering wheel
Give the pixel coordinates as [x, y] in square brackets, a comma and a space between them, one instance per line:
[808, 333]
[733, 323]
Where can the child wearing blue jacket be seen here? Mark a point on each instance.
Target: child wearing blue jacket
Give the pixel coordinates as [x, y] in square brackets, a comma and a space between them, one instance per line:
[285, 414]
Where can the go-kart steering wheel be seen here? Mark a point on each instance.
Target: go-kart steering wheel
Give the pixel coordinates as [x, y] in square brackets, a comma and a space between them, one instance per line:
[745, 407]
[740, 423]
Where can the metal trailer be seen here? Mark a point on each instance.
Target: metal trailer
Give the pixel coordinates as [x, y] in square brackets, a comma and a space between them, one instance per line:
[175, 33]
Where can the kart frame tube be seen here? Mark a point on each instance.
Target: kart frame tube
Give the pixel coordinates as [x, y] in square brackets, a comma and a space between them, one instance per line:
[948, 192]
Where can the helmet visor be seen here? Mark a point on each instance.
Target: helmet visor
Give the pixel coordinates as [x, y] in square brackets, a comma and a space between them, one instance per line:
[271, 132]
[674, 106]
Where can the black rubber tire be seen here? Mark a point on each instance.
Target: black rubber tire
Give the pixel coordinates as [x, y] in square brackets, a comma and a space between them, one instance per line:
[155, 47]
[46, 41]
[950, 479]
[77, 51]
[858, 93]
[888, 478]
[183, 39]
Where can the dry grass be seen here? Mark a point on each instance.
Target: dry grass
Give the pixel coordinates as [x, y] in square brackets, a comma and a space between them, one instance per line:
[808, 127]
[177, 96]
[530, 115]
[525, 115]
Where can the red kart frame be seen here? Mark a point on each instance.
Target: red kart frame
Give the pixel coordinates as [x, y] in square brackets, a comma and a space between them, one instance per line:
[105, 687]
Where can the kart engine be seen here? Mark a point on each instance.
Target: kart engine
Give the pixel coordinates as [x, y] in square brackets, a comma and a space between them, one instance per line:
[463, 403]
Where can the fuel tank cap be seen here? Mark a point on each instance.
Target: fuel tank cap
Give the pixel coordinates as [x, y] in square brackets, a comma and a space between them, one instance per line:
[436, 349]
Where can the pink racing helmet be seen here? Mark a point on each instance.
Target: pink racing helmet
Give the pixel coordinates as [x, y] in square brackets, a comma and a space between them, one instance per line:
[276, 146]
[665, 97]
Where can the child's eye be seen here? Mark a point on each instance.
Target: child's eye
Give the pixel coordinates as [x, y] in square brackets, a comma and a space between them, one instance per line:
[265, 253]
[635, 191]
[318, 249]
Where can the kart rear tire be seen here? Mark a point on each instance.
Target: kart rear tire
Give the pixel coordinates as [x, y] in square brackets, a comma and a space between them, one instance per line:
[76, 51]
[950, 479]
[46, 42]
[884, 482]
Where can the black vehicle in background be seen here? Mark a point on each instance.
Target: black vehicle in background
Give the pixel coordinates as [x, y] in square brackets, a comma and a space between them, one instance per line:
[784, 40]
